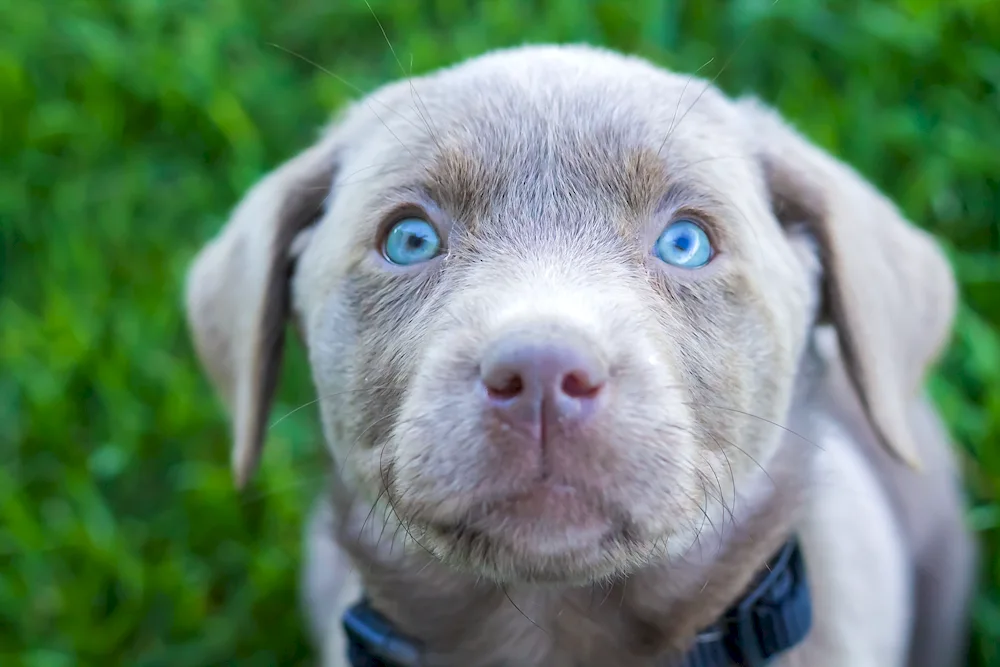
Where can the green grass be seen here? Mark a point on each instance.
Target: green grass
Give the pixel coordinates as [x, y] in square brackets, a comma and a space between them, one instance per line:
[127, 131]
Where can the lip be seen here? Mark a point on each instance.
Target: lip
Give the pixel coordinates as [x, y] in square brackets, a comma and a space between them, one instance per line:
[546, 520]
[537, 498]
[544, 500]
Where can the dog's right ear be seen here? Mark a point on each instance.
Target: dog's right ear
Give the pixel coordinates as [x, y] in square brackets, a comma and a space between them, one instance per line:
[237, 293]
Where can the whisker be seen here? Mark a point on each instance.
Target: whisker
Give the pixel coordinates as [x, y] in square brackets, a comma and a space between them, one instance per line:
[344, 81]
[369, 516]
[292, 412]
[687, 83]
[262, 495]
[705, 518]
[385, 521]
[722, 500]
[763, 419]
[302, 481]
[367, 99]
[708, 85]
[332, 394]
[732, 476]
[417, 101]
[706, 494]
[385, 474]
[507, 595]
[746, 454]
[395, 532]
[428, 121]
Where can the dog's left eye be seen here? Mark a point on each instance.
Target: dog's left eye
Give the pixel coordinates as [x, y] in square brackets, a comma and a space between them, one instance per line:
[411, 241]
[683, 243]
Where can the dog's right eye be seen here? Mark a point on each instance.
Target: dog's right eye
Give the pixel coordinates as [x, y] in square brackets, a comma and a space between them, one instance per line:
[411, 241]
[684, 244]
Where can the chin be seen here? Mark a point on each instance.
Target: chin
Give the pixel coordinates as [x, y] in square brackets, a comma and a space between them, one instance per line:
[513, 552]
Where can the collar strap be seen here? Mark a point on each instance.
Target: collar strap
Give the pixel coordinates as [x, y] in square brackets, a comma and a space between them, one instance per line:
[772, 617]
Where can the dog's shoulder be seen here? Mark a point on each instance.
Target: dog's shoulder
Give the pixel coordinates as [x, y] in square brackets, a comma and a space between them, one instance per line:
[858, 557]
[881, 537]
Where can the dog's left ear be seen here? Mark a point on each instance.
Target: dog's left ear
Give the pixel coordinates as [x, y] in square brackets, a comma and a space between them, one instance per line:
[237, 293]
[889, 289]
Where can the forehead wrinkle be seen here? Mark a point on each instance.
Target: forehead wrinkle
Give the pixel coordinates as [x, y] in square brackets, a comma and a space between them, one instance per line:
[640, 185]
[550, 162]
[621, 180]
[457, 180]
[499, 169]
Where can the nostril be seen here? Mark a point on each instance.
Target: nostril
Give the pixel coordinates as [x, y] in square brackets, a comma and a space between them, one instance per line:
[577, 385]
[526, 372]
[506, 388]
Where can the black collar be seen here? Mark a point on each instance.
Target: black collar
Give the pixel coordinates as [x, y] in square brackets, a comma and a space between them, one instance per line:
[775, 615]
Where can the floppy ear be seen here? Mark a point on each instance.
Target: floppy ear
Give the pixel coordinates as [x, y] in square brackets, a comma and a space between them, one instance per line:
[237, 294]
[889, 289]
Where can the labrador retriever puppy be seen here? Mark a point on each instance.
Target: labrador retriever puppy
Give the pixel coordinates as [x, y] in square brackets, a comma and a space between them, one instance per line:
[591, 342]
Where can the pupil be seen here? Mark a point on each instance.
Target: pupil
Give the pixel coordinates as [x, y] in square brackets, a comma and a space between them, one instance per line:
[682, 243]
[414, 242]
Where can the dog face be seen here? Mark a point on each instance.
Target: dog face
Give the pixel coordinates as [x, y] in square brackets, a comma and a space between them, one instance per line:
[557, 300]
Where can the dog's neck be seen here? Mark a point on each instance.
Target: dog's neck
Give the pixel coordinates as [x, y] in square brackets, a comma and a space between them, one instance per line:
[636, 620]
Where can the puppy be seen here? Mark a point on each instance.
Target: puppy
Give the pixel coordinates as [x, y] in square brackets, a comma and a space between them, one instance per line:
[591, 343]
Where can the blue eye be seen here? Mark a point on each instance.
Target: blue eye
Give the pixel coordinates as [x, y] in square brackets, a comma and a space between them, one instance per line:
[684, 244]
[411, 241]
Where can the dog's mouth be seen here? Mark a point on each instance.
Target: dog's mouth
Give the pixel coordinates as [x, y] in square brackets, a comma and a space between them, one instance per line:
[550, 532]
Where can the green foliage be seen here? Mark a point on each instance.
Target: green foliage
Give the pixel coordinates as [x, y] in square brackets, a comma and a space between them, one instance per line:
[129, 129]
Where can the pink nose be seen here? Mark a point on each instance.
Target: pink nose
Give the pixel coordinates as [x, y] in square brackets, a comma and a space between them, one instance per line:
[532, 379]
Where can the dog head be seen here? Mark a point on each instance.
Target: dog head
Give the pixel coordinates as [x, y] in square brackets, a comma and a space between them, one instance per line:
[553, 295]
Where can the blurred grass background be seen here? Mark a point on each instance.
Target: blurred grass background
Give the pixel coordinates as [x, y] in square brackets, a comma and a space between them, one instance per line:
[128, 130]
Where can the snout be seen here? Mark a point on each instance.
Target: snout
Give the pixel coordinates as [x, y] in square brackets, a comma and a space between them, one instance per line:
[542, 379]
[548, 441]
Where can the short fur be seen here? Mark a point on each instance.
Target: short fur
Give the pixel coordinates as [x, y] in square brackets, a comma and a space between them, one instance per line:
[776, 390]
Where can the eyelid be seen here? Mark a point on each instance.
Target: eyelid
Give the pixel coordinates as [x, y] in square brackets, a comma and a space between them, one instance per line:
[707, 223]
[405, 211]
[688, 214]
